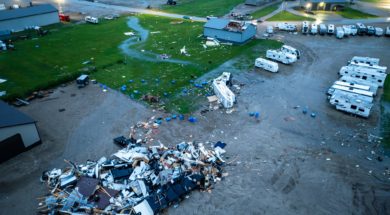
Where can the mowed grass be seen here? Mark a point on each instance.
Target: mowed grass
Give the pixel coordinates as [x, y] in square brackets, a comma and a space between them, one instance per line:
[287, 16]
[47, 61]
[58, 57]
[265, 11]
[202, 8]
[350, 13]
[372, 1]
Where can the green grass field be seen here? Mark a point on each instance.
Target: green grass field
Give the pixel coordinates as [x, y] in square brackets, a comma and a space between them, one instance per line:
[202, 8]
[287, 16]
[58, 57]
[265, 11]
[350, 13]
[372, 1]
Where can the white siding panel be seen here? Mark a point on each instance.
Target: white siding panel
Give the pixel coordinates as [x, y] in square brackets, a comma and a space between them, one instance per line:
[28, 132]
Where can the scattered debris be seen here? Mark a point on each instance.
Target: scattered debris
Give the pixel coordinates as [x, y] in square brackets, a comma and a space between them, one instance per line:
[129, 33]
[224, 94]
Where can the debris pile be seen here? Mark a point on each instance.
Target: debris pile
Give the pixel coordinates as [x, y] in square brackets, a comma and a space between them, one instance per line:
[358, 84]
[136, 180]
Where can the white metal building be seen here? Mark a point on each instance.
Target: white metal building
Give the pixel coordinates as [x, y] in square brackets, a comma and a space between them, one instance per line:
[19, 19]
[18, 132]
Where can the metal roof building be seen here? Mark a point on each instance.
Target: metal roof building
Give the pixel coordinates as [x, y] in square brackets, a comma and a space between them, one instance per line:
[229, 30]
[19, 19]
[18, 132]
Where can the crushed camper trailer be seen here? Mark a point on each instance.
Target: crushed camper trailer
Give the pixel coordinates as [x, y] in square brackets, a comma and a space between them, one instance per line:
[222, 91]
[281, 56]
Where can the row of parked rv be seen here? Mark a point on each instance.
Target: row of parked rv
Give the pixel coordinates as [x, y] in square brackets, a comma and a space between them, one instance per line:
[330, 29]
[286, 54]
[358, 84]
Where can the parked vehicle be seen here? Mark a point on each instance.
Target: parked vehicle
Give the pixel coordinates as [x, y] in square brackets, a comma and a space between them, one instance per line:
[314, 29]
[387, 33]
[3, 46]
[82, 81]
[286, 26]
[370, 30]
[354, 30]
[270, 29]
[330, 29]
[349, 79]
[291, 50]
[376, 68]
[280, 56]
[323, 29]
[64, 18]
[378, 32]
[352, 103]
[362, 92]
[347, 30]
[354, 85]
[339, 32]
[361, 29]
[266, 64]
[305, 27]
[365, 74]
[92, 19]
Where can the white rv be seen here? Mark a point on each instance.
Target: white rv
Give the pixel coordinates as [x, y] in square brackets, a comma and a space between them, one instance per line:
[224, 94]
[91, 19]
[365, 74]
[323, 29]
[351, 103]
[335, 87]
[366, 60]
[354, 30]
[286, 26]
[291, 50]
[339, 32]
[305, 27]
[378, 31]
[280, 56]
[267, 64]
[387, 33]
[380, 69]
[314, 28]
[330, 29]
[270, 29]
[358, 81]
[347, 30]
[357, 86]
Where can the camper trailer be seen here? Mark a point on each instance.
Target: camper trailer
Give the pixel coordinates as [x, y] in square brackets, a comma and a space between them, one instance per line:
[323, 29]
[387, 33]
[357, 86]
[361, 29]
[280, 56]
[339, 32]
[351, 103]
[330, 29]
[267, 65]
[353, 30]
[377, 68]
[314, 29]
[270, 29]
[305, 27]
[366, 60]
[286, 26]
[358, 81]
[91, 19]
[362, 92]
[378, 32]
[347, 30]
[291, 50]
[365, 74]
[222, 91]
[370, 30]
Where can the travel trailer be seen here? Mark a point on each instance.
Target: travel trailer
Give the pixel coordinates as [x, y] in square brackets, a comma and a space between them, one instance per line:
[91, 19]
[352, 103]
[270, 29]
[377, 68]
[291, 50]
[347, 30]
[286, 26]
[352, 80]
[305, 27]
[280, 56]
[366, 60]
[323, 29]
[314, 29]
[266, 65]
[370, 30]
[353, 30]
[378, 32]
[364, 73]
[339, 32]
[362, 92]
[222, 91]
[361, 29]
[330, 29]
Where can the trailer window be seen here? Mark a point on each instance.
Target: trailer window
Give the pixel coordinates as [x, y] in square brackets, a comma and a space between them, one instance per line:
[364, 77]
[361, 109]
[337, 101]
[353, 107]
[372, 75]
[357, 76]
[379, 81]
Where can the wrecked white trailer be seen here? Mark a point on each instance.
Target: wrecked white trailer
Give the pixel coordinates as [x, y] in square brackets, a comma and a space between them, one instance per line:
[280, 56]
[266, 64]
[364, 73]
[291, 50]
[352, 103]
[222, 91]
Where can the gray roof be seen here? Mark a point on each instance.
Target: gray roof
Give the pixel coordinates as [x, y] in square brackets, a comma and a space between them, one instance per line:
[217, 23]
[26, 11]
[10, 116]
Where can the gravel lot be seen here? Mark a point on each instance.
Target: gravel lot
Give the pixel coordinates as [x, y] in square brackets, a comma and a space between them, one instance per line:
[285, 163]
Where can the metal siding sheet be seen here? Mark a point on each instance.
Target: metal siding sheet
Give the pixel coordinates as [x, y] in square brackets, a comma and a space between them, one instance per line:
[37, 20]
[27, 11]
